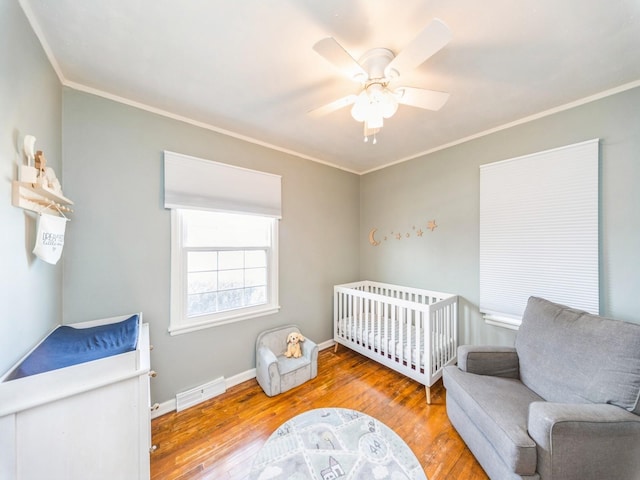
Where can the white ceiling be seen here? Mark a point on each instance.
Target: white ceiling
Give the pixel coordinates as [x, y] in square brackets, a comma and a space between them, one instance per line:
[247, 68]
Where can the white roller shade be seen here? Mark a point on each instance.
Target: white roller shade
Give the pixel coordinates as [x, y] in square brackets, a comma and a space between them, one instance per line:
[195, 183]
[539, 231]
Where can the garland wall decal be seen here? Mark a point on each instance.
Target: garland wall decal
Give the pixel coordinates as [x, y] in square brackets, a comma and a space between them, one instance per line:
[418, 232]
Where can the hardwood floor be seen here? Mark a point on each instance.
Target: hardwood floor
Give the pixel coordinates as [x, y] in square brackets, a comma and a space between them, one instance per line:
[218, 439]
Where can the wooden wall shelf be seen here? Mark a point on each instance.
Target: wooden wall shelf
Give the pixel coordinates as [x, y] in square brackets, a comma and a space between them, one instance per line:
[37, 198]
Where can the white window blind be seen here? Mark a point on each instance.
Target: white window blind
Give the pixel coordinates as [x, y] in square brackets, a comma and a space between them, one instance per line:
[194, 183]
[539, 232]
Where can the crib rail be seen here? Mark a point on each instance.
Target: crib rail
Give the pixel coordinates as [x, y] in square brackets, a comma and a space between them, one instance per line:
[413, 331]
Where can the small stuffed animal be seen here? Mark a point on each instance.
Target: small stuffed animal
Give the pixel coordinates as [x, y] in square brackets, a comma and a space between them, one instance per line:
[41, 162]
[293, 345]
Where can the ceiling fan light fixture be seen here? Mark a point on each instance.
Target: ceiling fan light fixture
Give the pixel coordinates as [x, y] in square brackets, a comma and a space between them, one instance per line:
[374, 122]
[389, 104]
[382, 100]
[372, 106]
[377, 68]
[360, 108]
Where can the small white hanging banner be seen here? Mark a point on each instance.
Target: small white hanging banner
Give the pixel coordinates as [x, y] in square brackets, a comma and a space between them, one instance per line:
[50, 238]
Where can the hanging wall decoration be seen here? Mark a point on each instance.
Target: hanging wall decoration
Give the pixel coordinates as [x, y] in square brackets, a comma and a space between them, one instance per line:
[415, 231]
[372, 238]
[50, 238]
[37, 188]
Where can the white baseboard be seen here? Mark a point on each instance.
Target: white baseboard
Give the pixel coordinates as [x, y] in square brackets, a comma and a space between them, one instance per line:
[325, 345]
[200, 394]
[164, 408]
[170, 405]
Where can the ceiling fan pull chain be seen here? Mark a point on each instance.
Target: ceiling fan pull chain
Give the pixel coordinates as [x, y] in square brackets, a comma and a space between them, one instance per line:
[370, 132]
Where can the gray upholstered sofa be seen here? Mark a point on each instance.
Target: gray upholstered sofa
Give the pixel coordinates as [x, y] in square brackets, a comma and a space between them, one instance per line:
[563, 404]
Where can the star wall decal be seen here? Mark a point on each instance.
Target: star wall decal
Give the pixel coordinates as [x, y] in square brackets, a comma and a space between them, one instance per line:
[431, 225]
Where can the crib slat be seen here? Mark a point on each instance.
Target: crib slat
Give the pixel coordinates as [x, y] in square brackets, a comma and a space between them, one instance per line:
[410, 330]
[384, 338]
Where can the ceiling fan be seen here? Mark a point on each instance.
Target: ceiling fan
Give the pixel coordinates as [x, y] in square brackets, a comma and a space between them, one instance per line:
[377, 71]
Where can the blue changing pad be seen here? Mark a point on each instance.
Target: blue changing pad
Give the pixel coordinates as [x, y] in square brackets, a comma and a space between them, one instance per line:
[67, 346]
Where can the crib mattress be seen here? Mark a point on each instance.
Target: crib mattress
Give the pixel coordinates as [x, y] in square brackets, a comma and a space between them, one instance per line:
[392, 344]
[67, 346]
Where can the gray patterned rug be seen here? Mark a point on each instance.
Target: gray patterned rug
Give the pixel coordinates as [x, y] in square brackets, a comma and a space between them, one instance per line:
[335, 444]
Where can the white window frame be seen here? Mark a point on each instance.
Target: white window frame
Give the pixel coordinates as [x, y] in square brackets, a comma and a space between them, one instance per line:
[179, 322]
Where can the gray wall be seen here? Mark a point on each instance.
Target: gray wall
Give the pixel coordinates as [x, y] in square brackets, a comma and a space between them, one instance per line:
[116, 257]
[445, 186]
[118, 248]
[30, 103]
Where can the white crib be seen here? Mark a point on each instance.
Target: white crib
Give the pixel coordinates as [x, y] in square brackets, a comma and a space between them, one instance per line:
[412, 331]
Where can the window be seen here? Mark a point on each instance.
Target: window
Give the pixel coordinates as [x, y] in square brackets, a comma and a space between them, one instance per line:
[224, 268]
[539, 232]
[224, 242]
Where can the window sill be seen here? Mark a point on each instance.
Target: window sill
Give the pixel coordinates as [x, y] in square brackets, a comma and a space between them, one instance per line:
[193, 326]
[502, 321]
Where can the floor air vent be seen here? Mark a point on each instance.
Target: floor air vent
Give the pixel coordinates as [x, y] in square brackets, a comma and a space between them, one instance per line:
[200, 394]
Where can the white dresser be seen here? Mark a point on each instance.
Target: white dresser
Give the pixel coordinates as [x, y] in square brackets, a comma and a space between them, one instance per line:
[86, 421]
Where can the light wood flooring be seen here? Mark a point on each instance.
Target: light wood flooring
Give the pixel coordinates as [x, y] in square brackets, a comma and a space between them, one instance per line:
[218, 439]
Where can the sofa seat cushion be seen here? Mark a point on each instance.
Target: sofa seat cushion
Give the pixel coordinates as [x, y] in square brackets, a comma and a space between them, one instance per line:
[293, 372]
[499, 407]
[288, 365]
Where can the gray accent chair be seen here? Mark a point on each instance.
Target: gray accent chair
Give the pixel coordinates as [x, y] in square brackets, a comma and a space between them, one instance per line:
[275, 372]
[563, 404]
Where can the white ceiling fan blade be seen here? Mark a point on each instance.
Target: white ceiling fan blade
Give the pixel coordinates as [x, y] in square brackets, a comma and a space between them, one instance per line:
[421, 98]
[333, 106]
[333, 52]
[429, 41]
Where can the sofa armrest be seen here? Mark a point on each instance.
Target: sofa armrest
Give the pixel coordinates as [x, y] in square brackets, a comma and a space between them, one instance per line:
[310, 351]
[309, 348]
[267, 372]
[585, 440]
[265, 356]
[489, 360]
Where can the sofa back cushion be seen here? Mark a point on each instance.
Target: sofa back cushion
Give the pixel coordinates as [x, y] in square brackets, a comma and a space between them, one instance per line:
[570, 356]
[275, 339]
